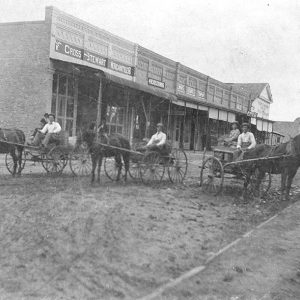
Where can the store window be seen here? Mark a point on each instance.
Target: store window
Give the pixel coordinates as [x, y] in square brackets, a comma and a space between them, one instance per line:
[63, 101]
[211, 93]
[226, 97]
[233, 101]
[239, 103]
[115, 118]
[218, 96]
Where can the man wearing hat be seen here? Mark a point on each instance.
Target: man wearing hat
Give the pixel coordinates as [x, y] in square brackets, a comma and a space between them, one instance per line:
[49, 133]
[233, 136]
[158, 140]
[246, 141]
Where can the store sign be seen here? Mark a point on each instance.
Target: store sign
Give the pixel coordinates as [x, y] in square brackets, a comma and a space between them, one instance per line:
[94, 59]
[190, 91]
[156, 83]
[119, 67]
[181, 88]
[75, 52]
[201, 94]
[252, 114]
[64, 48]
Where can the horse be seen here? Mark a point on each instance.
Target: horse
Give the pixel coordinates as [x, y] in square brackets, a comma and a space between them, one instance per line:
[98, 151]
[287, 166]
[9, 137]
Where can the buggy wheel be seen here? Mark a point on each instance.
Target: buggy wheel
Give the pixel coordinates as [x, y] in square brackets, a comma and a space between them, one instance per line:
[55, 161]
[80, 161]
[44, 162]
[259, 186]
[9, 162]
[212, 176]
[152, 168]
[111, 168]
[177, 166]
[134, 170]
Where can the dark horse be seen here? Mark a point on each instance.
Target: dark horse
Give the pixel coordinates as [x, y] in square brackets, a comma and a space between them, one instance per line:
[117, 141]
[286, 166]
[13, 136]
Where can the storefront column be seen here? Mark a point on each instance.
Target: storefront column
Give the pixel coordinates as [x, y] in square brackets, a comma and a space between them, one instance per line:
[127, 117]
[168, 125]
[99, 103]
[196, 141]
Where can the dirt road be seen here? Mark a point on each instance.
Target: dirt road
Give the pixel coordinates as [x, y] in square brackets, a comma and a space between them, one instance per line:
[63, 239]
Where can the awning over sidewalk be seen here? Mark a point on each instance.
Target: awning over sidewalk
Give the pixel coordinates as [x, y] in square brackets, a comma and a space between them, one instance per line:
[140, 87]
[190, 105]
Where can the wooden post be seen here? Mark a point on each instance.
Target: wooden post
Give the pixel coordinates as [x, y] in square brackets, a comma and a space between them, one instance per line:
[99, 104]
[183, 125]
[127, 118]
[168, 125]
[197, 130]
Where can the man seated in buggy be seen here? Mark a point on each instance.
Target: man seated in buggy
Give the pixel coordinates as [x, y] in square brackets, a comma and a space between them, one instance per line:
[246, 141]
[231, 140]
[158, 142]
[49, 133]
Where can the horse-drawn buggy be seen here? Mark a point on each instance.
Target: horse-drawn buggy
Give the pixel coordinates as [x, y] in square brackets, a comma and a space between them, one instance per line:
[53, 158]
[151, 166]
[254, 169]
[222, 166]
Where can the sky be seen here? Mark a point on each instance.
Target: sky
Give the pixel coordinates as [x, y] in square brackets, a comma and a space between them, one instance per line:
[229, 40]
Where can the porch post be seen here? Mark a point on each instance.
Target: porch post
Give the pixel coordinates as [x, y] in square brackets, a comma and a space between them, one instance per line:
[127, 118]
[168, 125]
[99, 104]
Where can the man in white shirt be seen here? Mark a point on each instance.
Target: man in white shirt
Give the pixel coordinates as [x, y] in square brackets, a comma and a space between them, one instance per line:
[49, 133]
[246, 141]
[158, 140]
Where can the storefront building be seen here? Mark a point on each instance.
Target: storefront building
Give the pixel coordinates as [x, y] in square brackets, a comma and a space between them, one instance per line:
[260, 100]
[85, 75]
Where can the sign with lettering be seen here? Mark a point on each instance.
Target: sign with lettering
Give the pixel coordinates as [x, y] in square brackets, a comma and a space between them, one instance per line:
[156, 83]
[252, 114]
[201, 94]
[94, 59]
[119, 67]
[190, 91]
[181, 88]
[64, 48]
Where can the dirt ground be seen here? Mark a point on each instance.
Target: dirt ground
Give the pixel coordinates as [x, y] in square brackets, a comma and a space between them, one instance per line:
[60, 238]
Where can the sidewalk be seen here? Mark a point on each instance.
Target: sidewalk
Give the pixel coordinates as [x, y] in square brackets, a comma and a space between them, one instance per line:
[263, 264]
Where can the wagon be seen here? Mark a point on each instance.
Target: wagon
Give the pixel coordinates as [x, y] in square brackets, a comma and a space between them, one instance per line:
[220, 166]
[53, 158]
[147, 167]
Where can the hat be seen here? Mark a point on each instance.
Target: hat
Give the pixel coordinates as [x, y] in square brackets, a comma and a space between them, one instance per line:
[235, 122]
[246, 124]
[46, 115]
[159, 124]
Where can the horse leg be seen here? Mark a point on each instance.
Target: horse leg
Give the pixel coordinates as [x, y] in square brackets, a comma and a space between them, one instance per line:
[99, 168]
[246, 183]
[283, 183]
[15, 160]
[20, 152]
[126, 164]
[290, 176]
[259, 178]
[94, 164]
[119, 164]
